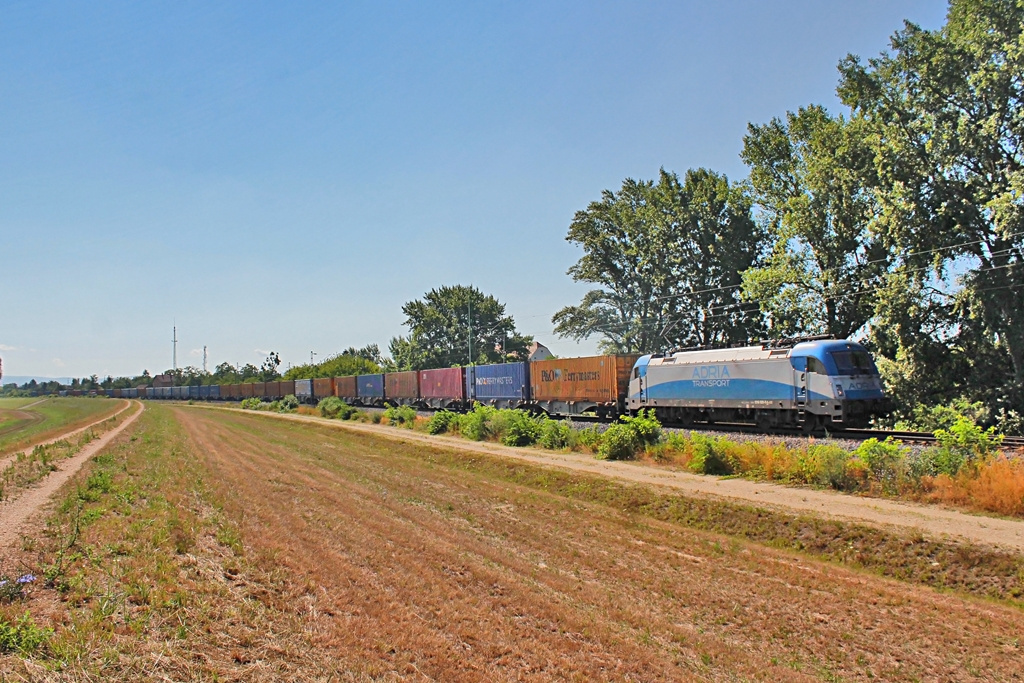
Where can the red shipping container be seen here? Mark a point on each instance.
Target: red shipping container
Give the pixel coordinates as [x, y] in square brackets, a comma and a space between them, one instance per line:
[271, 390]
[287, 387]
[259, 389]
[246, 390]
[447, 383]
[323, 386]
[399, 385]
[345, 387]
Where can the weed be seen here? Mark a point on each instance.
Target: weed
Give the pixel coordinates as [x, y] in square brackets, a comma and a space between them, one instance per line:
[22, 636]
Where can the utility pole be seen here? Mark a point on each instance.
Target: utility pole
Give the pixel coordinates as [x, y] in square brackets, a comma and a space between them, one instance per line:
[311, 354]
[204, 359]
[174, 342]
[469, 306]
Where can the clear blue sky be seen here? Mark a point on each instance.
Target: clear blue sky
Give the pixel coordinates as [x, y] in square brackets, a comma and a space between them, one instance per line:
[285, 176]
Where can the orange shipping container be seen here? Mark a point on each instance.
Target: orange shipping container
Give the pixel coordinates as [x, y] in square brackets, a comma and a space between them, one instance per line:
[595, 379]
[246, 390]
[259, 389]
[230, 391]
[323, 386]
[287, 387]
[345, 387]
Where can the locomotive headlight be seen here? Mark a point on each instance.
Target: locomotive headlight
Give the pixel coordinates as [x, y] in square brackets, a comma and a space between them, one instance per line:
[839, 389]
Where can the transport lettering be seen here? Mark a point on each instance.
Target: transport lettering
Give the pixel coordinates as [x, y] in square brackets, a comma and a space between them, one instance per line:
[565, 375]
[711, 372]
[491, 381]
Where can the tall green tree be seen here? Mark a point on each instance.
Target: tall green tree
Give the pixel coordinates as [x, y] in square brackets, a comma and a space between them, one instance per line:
[813, 177]
[666, 257]
[947, 121]
[457, 325]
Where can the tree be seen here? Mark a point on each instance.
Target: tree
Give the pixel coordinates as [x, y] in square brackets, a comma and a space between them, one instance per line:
[812, 175]
[348, 362]
[947, 120]
[457, 325]
[667, 258]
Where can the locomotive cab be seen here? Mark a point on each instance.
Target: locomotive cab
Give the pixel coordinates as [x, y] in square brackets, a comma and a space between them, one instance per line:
[839, 381]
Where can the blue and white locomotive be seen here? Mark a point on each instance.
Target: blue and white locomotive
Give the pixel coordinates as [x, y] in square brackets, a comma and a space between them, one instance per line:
[829, 384]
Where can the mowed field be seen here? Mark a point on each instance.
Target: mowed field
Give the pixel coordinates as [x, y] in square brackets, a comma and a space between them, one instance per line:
[24, 422]
[209, 544]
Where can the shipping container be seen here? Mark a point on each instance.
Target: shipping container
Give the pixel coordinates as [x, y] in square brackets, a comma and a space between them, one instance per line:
[502, 386]
[370, 389]
[322, 387]
[245, 390]
[571, 386]
[287, 387]
[109, 393]
[231, 392]
[345, 388]
[402, 388]
[443, 388]
[214, 392]
[272, 390]
[182, 393]
[304, 390]
[193, 392]
[117, 392]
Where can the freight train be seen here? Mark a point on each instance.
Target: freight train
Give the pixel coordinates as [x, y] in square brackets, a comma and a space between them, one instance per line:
[808, 384]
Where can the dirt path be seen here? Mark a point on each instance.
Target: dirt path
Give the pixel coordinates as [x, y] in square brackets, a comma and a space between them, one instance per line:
[7, 460]
[410, 570]
[16, 511]
[932, 521]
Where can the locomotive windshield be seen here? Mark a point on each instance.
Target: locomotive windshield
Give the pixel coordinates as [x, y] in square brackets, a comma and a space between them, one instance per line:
[854, 363]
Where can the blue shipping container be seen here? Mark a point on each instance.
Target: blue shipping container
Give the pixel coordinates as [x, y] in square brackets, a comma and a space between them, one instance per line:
[204, 392]
[193, 392]
[214, 391]
[370, 386]
[507, 381]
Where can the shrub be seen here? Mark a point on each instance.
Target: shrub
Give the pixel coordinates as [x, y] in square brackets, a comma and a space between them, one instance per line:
[964, 443]
[618, 443]
[442, 422]
[401, 415]
[707, 455]
[556, 434]
[376, 416]
[251, 403]
[886, 461]
[520, 428]
[334, 408]
[288, 404]
[474, 424]
[589, 438]
[645, 427]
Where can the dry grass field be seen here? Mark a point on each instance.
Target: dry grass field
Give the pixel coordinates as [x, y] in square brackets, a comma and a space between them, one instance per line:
[24, 422]
[216, 545]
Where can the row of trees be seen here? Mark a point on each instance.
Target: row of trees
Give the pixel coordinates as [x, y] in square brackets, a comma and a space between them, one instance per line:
[899, 222]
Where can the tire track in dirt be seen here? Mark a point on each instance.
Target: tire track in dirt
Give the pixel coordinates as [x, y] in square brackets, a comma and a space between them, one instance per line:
[409, 569]
[932, 521]
[15, 512]
[7, 460]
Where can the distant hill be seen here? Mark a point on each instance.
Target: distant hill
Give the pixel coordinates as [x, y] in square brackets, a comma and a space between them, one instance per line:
[20, 379]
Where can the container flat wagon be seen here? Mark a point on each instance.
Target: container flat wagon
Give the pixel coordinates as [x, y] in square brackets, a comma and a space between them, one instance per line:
[304, 390]
[346, 389]
[370, 390]
[444, 388]
[402, 388]
[322, 388]
[574, 386]
[503, 386]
